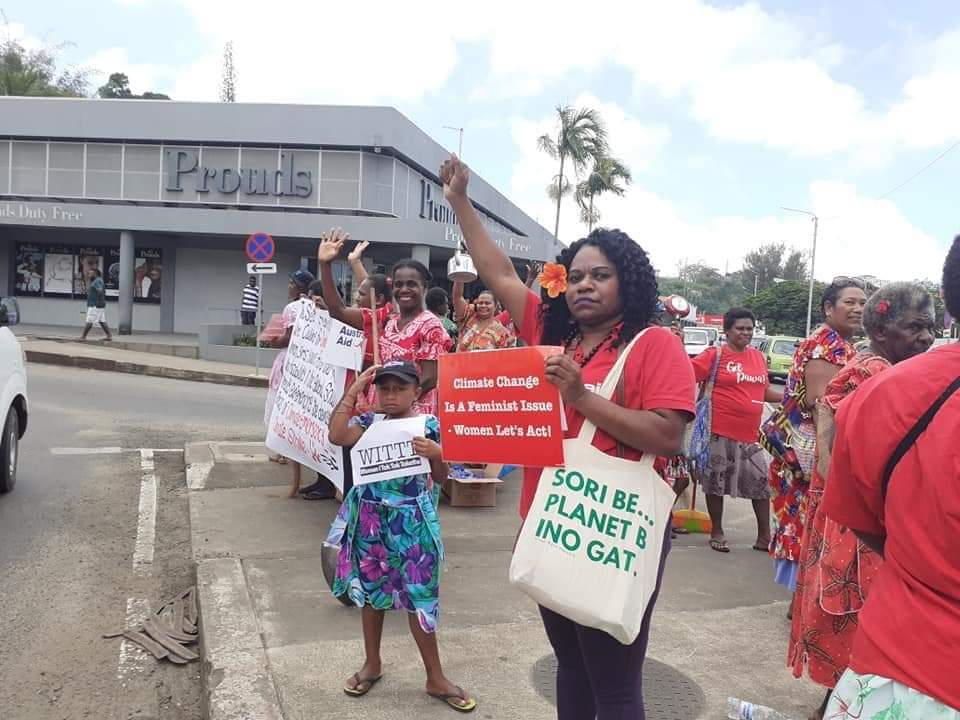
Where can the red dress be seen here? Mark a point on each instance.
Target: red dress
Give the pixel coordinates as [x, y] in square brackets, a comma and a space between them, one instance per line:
[836, 569]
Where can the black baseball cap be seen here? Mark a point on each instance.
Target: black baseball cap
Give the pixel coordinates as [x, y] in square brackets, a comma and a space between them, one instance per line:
[402, 370]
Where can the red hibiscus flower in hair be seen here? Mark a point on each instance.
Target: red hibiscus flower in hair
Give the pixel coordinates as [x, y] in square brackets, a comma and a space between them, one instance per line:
[553, 279]
[883, 307]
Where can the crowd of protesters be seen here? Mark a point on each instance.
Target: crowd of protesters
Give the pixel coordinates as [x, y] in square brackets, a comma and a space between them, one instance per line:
[858, 464]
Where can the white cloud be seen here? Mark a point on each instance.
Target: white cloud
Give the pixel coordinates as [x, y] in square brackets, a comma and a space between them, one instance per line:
[143, 77]
[858, 235]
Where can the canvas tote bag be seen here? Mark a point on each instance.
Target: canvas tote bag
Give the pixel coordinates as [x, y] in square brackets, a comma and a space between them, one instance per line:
[590, 546]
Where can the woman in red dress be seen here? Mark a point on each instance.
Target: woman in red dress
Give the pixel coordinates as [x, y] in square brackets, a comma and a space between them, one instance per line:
[836, 569]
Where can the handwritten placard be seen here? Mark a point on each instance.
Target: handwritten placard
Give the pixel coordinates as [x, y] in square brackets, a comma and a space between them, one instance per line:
[385, 451]
[311, 388]
[497, 407]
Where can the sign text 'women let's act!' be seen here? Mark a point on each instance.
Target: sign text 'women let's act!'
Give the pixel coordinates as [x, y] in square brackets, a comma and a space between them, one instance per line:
[496, 406]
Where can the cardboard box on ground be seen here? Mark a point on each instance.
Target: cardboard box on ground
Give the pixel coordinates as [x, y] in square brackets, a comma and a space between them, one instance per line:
[477, 491]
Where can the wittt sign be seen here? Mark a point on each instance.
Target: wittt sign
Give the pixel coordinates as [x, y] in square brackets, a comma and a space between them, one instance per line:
[182, 163]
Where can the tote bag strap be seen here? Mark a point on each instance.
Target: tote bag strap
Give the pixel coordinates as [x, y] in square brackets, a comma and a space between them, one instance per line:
[588, 429]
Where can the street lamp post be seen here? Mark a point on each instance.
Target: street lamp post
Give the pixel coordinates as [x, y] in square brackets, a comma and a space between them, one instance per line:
[813, 261]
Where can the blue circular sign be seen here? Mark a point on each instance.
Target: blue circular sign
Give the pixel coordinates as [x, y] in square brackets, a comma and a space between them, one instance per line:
[260, 247]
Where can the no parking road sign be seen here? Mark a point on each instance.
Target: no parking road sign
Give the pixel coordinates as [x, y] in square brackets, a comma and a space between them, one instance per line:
[260, 248]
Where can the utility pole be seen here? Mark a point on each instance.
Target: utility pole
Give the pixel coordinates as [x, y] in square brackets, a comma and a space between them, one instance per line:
[813, 261]
[459, 131]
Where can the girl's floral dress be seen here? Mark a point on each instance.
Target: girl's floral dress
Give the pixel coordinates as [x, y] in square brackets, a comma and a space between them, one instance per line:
[390, 547]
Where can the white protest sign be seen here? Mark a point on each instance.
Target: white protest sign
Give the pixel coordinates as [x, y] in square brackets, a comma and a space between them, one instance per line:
[311, 388]
[344, 346]
[385, 451]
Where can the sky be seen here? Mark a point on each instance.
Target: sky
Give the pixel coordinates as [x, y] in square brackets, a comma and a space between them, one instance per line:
[725, 112]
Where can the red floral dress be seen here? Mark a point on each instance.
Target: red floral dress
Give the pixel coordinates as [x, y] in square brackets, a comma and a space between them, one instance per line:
[495, 336]
[789, 495]
[423, 338]
[836, 569]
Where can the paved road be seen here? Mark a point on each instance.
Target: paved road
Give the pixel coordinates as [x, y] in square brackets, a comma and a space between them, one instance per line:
[74, 526]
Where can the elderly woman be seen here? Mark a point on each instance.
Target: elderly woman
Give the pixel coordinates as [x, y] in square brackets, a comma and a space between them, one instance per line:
[896, 491]
[737, 465]
[816, 361]
[837, 568]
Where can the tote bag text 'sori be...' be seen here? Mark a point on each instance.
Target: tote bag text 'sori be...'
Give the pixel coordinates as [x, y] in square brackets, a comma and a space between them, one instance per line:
[590, 546]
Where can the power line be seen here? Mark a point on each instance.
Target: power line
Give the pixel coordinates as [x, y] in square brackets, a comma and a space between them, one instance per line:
[922, 170]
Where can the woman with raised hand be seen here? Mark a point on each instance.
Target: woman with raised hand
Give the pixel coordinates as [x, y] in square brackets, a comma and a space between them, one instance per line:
[414, 334]
[583, 307]
[480, 328]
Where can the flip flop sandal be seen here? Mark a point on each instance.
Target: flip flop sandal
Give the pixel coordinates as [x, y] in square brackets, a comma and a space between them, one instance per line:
[355, 691]
[719, 545]
[459, 695]
[763, 548]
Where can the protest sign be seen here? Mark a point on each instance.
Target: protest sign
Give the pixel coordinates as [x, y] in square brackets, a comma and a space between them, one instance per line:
[311, 388]
[344, 346]
[385, 451]
[496, 406]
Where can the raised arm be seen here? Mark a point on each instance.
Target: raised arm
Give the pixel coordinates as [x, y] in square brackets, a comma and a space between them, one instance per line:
[493, 265]
[330, 245]
[356, 263]
[341, 432]
[459, 304]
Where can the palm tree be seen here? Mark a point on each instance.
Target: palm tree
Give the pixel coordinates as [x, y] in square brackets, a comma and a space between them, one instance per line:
[606, 175]
[581, 136]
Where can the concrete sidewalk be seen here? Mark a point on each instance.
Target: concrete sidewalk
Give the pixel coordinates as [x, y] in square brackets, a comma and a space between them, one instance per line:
[106, 356]
[276, 644]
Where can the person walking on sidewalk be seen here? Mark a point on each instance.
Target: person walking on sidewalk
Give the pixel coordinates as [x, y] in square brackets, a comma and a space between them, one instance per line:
[250, 302]
[96, 304]
[389, 535]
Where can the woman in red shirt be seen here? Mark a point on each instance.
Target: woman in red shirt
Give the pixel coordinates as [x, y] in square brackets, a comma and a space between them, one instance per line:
[610, 296]
[835, 568]
[895, 481]
[737, 466]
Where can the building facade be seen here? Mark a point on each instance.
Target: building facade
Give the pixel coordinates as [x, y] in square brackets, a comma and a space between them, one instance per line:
[161, 195]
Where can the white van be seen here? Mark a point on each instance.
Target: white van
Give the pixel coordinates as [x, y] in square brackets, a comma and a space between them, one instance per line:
[13, 394]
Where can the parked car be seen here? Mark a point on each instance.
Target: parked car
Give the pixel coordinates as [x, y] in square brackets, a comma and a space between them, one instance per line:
[696, 340]
[13, 394]
[712, 333]
[778, 350]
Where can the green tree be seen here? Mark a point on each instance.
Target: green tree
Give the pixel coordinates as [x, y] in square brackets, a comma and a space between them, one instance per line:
[782, 307]
[606, 176]
[580, 137]
[117, 87]
[34, 73]
[704, 286]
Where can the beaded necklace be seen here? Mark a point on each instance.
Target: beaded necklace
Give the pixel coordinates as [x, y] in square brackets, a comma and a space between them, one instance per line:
[574, 341]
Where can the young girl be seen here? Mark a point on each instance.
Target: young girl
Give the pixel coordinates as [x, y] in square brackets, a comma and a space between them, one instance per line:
[389, 535]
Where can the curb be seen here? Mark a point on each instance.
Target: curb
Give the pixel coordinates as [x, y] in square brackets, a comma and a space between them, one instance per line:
[94, 363]
[236, 683]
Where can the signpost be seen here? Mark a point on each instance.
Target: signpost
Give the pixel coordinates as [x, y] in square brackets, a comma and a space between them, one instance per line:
[260, 249]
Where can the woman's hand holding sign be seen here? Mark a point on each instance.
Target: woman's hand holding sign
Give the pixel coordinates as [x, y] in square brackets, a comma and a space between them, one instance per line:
[565, 374]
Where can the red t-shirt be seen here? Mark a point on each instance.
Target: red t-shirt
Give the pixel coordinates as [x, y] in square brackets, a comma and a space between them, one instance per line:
[910, 624]
[657, 376]
[738, 393]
